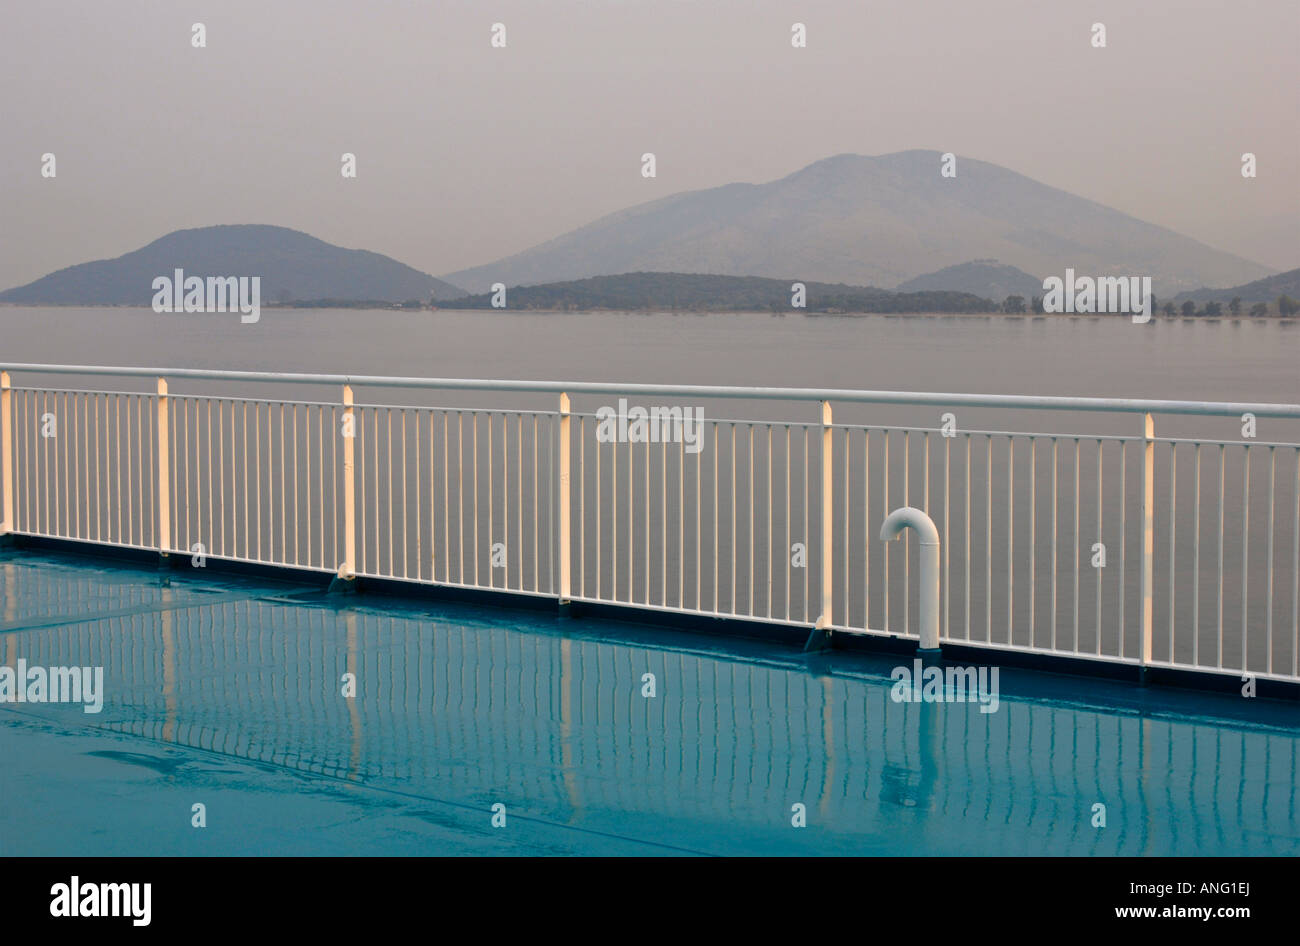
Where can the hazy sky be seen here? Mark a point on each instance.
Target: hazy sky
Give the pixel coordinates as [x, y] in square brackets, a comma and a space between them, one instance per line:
[466, 153]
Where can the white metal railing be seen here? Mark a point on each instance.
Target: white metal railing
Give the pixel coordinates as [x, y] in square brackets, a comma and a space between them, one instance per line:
[1111, 545]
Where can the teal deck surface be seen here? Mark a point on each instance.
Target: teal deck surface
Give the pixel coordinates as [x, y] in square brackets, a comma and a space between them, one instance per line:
[227, 692]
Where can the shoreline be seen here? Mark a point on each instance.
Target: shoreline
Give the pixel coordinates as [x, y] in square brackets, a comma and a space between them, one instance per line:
[1027, 316]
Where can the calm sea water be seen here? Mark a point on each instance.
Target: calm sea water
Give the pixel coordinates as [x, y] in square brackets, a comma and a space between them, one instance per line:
[1087, 356]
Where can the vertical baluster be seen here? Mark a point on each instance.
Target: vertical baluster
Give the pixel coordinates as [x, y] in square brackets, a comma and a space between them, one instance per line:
[1196, 561]
[1173, 542]
[967, 536]
[8, 471]
[1011, 535]
[663, 524]
[537, 511]
[1268, 596]
[1218, 659]
[613, 521]
[988, 540]
[297, 479]
[947, 488]
[789, 515]
[1245, 552]
[807, 538]
[866, 528]
[474, 486]
[907, 535]
[1123, 538]
[1100, 526]
[1077, 542]
[734, 609]
[1295, 575]
[681, 517]
[1055, 543]
[600, 497]
[699, 516]
[446, 501]
[388, 463]
[406, 516]
[519, 502]
[847, 505]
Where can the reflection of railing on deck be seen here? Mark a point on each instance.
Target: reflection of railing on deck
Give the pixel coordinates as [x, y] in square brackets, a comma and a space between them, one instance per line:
[558, 727]
[1114, 546]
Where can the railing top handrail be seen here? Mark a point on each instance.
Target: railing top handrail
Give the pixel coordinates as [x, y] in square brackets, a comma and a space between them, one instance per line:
[1022, 401]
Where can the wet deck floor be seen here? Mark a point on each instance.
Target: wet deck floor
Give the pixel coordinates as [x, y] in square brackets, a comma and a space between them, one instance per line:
[227, 692]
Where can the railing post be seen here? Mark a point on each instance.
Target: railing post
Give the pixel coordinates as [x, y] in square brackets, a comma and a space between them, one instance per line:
[164, 526]
[828, 528]
[564, 538]
[1148, 534]
[819, 638]
[348, 567]
[6, 455]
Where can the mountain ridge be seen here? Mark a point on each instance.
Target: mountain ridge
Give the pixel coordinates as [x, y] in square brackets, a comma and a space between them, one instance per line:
[870, 220]
[1267, 289]
[293, 266]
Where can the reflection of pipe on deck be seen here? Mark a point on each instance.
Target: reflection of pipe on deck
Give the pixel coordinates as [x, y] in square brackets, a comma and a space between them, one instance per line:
[909, 517]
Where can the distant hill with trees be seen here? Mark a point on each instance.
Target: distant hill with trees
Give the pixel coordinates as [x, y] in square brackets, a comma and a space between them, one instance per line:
[704, 293]
[1267, 290]
[293, 267]
[986, 278]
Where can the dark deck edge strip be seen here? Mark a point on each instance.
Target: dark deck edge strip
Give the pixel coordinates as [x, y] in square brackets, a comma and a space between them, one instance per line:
[795, 635]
